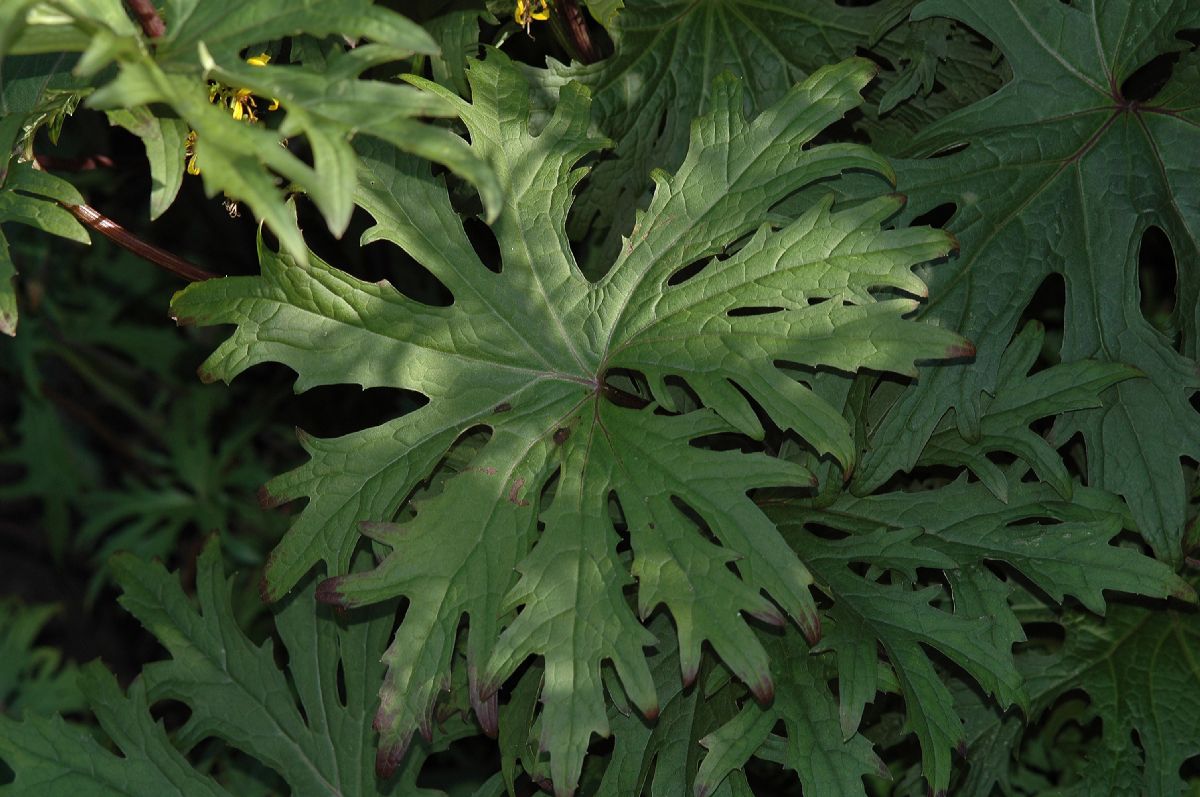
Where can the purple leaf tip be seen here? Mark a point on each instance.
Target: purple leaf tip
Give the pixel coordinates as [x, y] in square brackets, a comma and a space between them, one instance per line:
[327, 592]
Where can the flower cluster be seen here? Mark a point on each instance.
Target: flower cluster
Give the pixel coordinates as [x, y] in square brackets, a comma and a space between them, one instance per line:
[242, 105]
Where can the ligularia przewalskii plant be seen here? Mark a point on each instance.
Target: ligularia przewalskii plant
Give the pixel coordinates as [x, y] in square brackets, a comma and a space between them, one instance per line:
[649, 492]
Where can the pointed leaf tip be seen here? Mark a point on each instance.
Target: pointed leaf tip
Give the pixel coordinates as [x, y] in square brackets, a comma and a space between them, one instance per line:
[811, 628]
[327, 592]
[964, 350]
[770, 616]
[265, 499]
[1184, 592]
[388, 758]
[763, 689]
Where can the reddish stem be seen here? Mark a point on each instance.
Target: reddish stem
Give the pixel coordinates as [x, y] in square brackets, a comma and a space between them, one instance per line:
[571, 25]
[85, 164]
[90, 217]
[148, 17]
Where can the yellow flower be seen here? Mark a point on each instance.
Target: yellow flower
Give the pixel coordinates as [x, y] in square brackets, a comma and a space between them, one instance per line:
[262, 60]
[241, 103]
[189, 150]
[529, 10]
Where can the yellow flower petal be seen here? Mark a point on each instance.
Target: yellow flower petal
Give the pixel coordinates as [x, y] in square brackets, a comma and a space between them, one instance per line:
[259, 60]
[529, 10]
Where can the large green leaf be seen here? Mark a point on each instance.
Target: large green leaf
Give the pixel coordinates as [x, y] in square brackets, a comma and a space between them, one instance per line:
[1116, 704]
[1059, 172]
[814, 747]
[537, 353]
[1020, 399]
[301, 724]
[1062, 547]
[667, 52]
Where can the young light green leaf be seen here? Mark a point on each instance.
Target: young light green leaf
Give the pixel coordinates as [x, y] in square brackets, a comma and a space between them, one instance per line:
[204, 41]
[530, 353]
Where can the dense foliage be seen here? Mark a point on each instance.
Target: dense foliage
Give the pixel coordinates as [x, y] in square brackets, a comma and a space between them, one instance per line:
[721, 397]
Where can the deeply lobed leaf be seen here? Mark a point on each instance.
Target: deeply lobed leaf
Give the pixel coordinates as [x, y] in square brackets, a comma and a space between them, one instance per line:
[530, 354]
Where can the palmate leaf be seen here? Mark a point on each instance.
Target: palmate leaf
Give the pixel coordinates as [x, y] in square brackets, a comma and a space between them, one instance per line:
[814, 747]
[530, 353]
[1063, 547]
[1134, 671]
[328, 104]
[1020, 399]
[298, 724]
[33, 680]
[1059, 172]
[667, 52]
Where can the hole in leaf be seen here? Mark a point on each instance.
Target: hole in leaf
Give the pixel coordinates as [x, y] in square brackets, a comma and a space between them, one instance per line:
[749, 311]
[687, 272]
[1149, 79]
[1047, 306]
[626, 388]
[682, 394]
[1033, 520]
[483, 241]
[1136, 738]
[1158, 279]
[545, 496]
[173, 714]
[1189, 770]
[341, 683]
[997, 569]
[662, 125]
[937, 217]
[951, 149]
[727, 441]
